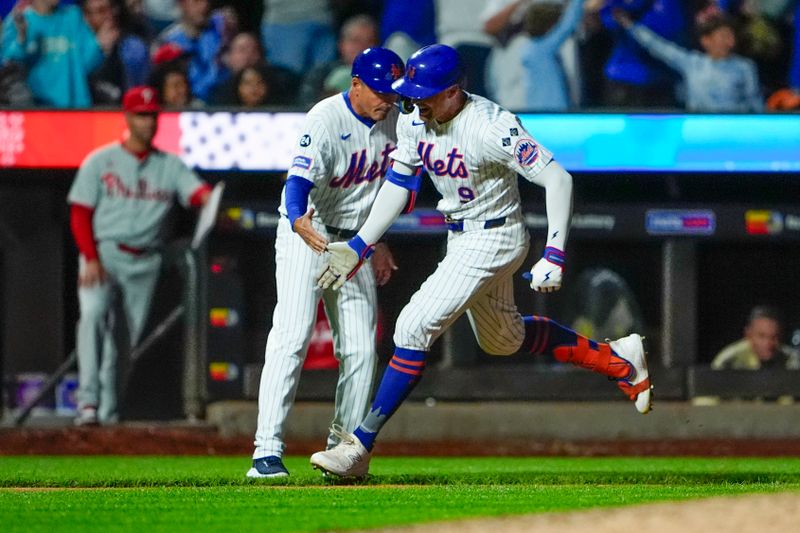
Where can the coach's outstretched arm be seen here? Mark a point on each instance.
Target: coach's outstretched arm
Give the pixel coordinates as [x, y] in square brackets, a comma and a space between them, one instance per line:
[395, 196]
[546, 274]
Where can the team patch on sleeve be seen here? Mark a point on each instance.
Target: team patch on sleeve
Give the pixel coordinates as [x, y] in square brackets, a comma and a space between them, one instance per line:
[526, 152]
[302, 162]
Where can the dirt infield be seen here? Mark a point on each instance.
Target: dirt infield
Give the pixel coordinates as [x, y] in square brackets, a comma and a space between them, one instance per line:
[166, 439]
[742, 514]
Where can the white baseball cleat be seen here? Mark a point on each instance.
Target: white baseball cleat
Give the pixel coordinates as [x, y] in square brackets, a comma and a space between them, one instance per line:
[637, 386]
[349, 458]
[87, 416]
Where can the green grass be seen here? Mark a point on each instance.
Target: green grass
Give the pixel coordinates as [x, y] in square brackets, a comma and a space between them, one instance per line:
[211, 493]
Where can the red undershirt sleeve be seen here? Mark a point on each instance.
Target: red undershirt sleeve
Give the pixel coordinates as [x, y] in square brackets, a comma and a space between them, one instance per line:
[195, 200]
[82, 232]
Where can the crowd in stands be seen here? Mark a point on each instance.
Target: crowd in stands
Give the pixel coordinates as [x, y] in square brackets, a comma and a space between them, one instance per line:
[528, 55]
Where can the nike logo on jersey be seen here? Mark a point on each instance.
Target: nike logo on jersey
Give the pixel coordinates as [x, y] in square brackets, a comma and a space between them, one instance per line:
[345, 136]
[453, 167]
[415, 123]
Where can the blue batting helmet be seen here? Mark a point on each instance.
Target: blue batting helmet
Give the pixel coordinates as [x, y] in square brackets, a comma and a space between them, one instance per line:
[430, 70]
[378, 68]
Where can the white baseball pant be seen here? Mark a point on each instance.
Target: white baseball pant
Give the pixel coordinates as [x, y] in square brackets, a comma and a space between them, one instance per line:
[352, 312]
[476, 276]
[127, 291]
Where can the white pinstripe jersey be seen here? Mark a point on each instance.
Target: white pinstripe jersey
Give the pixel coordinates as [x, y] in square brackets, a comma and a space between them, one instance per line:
[346, 157]
[473, 160]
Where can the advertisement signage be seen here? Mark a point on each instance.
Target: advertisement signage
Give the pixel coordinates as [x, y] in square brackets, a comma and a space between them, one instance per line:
[267, 141]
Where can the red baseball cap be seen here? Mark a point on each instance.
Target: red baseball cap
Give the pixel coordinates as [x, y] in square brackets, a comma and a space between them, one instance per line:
[168, 52]
[142, 99]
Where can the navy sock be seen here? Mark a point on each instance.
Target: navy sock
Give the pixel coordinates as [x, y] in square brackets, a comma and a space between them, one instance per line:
[401, 376]
[542, 335]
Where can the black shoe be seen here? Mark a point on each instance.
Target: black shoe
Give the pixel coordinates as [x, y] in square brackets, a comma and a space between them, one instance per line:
[270, 466]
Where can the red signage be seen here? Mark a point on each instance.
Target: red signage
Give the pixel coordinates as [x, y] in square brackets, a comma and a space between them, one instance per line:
[48, 139]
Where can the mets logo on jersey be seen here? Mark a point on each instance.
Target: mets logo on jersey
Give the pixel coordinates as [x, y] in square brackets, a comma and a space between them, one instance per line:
[526, 152]
[453, 164]
[361, 171]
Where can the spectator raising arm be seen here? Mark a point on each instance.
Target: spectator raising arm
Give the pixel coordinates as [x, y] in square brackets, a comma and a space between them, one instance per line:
[566, 25]
[717, 80]
[670, 53]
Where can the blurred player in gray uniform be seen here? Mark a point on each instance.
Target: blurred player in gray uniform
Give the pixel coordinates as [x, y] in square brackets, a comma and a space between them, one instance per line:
[119, 199]
[341, 160]
[473, 151]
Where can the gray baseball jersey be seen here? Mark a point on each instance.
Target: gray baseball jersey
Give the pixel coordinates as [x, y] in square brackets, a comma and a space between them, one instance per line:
[345, 158]
[130, 195]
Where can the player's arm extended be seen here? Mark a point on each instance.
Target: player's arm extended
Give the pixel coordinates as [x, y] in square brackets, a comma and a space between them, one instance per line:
[545, 276]
[396, 196]
[297, 191]
[396, 193]
[557, 183]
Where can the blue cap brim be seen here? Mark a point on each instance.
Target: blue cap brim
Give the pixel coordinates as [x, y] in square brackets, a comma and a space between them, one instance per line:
[409, 89]
[379, 86]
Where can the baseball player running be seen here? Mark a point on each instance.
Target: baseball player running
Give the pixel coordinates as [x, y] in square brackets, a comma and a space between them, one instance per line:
[119, 199]
[473, 151]
[340, 163]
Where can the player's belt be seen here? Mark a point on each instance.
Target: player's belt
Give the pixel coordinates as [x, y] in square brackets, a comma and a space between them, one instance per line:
[460, 225]
[131, 250]
[343, 234]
